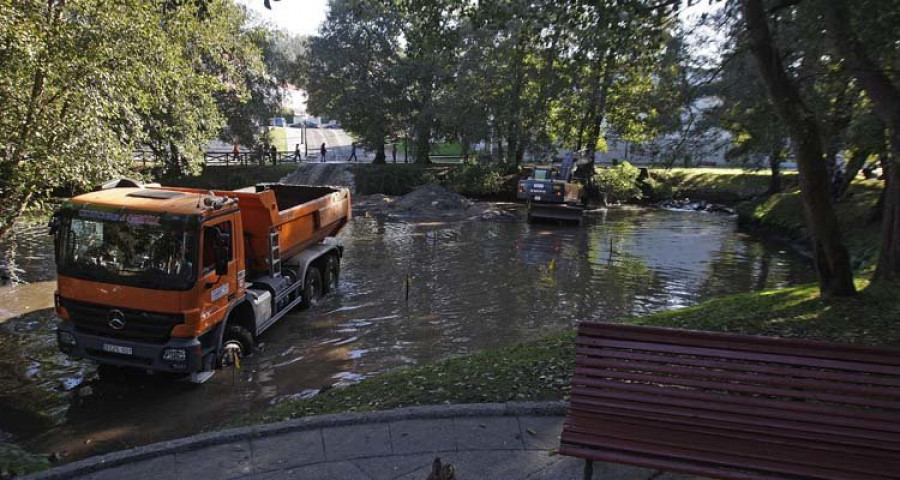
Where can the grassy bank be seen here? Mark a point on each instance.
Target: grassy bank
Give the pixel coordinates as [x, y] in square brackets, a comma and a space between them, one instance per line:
[541, 370]
[782, 215]
[719, 185]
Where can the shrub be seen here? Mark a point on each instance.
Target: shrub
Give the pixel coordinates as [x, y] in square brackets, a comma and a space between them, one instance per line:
[617, 183]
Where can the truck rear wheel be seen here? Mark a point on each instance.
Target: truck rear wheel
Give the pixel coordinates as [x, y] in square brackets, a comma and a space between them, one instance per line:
[312, 287]
[332, 273]
[238, 342]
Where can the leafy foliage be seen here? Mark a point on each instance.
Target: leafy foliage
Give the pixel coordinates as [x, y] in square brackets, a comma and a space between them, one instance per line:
[618, 183]
[518, 75]
[16, 461]
[84, 83]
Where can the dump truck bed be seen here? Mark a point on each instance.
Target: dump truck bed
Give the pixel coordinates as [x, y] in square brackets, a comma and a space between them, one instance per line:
[301, 215]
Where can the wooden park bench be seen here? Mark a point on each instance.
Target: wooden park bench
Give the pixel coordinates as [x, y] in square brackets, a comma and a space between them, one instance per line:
[733, 406]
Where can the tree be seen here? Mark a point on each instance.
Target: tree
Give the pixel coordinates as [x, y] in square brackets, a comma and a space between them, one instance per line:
[84, 83]
[351, 70]
[747, 114]
[867, 42]
[261, 90]
[831, 257]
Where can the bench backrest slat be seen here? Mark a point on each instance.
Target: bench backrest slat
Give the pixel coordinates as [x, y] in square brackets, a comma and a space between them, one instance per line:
[760, 405]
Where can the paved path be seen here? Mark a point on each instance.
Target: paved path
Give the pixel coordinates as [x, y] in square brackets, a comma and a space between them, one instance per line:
[487, 441]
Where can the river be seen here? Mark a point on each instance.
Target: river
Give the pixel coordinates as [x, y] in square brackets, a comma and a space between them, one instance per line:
[410, 293]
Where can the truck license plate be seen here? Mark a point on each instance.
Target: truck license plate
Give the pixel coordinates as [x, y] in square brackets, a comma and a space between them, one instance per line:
[116, 349]
[537, 198]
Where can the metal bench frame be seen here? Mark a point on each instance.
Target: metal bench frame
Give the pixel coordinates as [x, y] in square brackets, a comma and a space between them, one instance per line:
[733, 406]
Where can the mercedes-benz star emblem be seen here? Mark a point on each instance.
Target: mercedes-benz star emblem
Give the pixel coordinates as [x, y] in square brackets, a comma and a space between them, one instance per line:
[116, 319]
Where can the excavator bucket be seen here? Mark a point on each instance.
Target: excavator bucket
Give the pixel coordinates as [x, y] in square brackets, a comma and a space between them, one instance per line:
[555, 213]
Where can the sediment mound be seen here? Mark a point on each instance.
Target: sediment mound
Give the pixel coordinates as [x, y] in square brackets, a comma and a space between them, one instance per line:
[431, 201]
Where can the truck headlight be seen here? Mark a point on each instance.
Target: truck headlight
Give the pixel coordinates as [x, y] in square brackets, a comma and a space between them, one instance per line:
[66, 339]
[174, 355]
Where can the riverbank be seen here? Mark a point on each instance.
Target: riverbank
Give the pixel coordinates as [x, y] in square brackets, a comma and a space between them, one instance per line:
[780, 216]
[540, 370]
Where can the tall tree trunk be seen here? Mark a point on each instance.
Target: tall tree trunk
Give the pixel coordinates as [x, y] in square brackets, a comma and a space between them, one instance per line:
[831, 257]
[380, 157]
[515, 133]
[885, 97]
[775, 168]
[422, 142]
[888, 267]
[856, 162]
[602, 99]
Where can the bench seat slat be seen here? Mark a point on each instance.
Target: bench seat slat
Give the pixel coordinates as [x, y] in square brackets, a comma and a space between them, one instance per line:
[830, 438]
[742, 443]
[789, 377]
[852, 366]
[734, 406]
[748, 343]
[587, 374]
[752, 406]
[852, 378]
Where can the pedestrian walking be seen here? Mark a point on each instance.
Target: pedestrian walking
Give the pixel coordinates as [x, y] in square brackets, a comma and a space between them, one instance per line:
[352, 157]
[297, 157]
[394, 152]
[322, 152]
[236, 152]
[273, 155]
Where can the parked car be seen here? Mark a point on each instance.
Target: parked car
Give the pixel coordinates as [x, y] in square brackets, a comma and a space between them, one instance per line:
[333, 125]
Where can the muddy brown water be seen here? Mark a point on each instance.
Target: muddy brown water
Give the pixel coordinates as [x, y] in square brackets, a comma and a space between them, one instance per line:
[472, 286]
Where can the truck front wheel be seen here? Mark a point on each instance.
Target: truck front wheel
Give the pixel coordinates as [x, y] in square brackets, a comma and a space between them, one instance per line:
[237, 344]
[312, 287]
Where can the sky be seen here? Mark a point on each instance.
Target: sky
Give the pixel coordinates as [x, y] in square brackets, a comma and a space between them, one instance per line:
[300, 17]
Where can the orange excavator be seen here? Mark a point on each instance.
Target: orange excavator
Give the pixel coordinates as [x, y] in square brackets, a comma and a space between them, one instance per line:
[182, 280]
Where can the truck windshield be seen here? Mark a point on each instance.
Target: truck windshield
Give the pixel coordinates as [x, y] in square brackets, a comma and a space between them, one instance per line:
[129, 249]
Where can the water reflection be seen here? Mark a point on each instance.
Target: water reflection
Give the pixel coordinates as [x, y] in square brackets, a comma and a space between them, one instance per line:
[411, 293]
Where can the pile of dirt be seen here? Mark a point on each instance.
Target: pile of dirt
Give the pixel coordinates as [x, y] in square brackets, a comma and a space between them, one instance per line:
[430, 201]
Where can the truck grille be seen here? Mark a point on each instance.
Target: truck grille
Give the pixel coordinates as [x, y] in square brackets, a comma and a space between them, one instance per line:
[137, 325]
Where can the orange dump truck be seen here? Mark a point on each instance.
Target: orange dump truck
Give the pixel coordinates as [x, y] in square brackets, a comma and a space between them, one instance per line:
[185, 280]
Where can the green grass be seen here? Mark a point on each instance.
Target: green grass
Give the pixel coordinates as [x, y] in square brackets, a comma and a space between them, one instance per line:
[541, 370]
[453, 148]
[14, 460]
[723, 185]
[278, 136]
[230, 178]
[783, 214]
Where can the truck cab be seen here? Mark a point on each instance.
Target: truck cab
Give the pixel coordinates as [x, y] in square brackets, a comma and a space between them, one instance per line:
[184, 281]
[551, 194]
